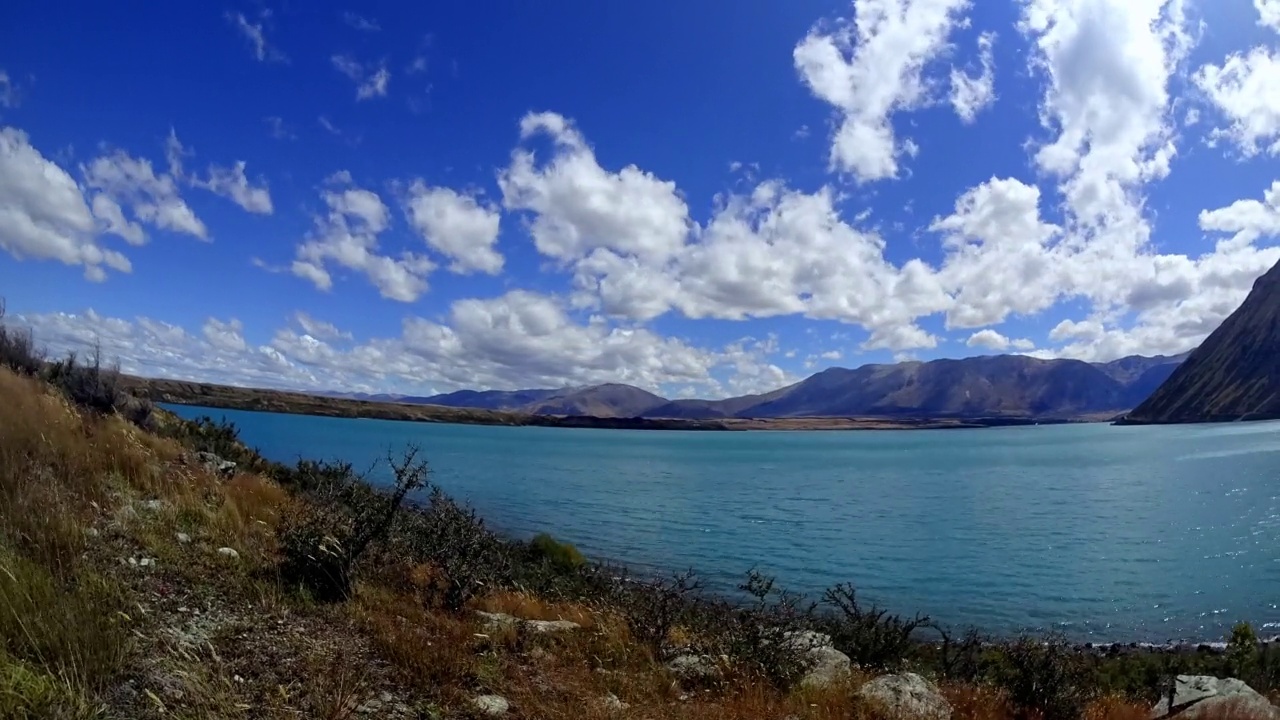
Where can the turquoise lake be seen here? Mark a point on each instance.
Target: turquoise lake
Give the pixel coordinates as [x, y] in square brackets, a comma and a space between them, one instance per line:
[1104, 533]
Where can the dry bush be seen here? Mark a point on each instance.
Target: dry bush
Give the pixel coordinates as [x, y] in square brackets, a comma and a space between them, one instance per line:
[977, 702]
[1117, 707]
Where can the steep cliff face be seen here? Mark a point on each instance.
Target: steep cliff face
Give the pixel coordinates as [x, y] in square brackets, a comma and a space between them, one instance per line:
[1234, 374]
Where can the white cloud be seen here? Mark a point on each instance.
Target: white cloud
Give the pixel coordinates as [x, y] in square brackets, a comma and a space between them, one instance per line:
[232, 183]
[319, 329]
[347, 235]
[1268, 13]
[872, 67]
[971, 94]
[43, 213]
[153, 198]
[256, 35]
[459, 226]
[278, 129]
[370, 82]
[992, 340]
[359, 22]
[581, 207]
[516, 340]
[10, 97]
[1246, 90]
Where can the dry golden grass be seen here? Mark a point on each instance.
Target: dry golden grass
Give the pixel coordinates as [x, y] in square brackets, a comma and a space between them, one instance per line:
[529, 607]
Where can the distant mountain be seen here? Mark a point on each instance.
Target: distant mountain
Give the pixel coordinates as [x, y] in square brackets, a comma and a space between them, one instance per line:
[1013, 386]
[611, 400]
[1234, 374]
[999, 386]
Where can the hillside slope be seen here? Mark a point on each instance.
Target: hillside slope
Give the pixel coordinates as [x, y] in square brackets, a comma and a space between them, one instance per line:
[1234, 374]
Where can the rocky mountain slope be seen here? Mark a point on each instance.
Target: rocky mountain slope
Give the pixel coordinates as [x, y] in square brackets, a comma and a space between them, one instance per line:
[1000, 386]
[1234, 374]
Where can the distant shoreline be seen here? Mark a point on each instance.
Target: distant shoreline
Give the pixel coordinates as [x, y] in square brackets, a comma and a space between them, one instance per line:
[179, 392]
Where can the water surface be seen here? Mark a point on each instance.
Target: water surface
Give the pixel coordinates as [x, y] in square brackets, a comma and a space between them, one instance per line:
[1106, 533]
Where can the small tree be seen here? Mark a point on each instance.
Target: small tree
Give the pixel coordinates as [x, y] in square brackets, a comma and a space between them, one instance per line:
[1242, 650]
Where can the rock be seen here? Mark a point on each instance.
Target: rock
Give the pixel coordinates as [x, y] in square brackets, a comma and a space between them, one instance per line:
[826, 665]
[1203, 696]
[492, 705]
[551, 626]
[183, 538]
[694, 667]
[612, 702]
[216, 465]
[153, 505]
[907, 695]
[496, 621]
[228, 553]
[92, 532]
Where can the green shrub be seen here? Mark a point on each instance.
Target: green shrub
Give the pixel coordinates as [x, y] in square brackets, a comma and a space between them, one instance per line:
[870, 636]
[1043, 677]
[560, 555]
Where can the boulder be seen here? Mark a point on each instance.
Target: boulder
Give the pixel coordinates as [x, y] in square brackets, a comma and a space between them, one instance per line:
[1203, 696]
[492, 705]
[216, 465]
[229, 553]
[825, 664]
[694, 667]
[906, 695]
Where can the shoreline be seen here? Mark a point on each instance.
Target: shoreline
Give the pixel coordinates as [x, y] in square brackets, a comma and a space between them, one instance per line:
[225, 397]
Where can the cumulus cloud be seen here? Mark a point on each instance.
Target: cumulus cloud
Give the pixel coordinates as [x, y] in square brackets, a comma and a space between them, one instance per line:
[371, 81]
[347, 236]
[971, 94]
[43, 213]
[871, 67]
[152, 197]
[992, 340]
[1245, 89]
[459, 226]
[516, 340]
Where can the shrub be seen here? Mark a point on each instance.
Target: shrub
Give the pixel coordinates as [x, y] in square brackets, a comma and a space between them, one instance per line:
[468, 557]
[871, 637]
[323, 544]
[1044, 678]
[561, 556]
[17, 349]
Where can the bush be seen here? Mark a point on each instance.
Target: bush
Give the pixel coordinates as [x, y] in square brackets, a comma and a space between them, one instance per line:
[1044, 678]
[561, 556]
[322, 546]
[17, 349]
[871, 637]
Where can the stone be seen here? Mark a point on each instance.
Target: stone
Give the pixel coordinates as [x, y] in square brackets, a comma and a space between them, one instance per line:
[496, 621]
[693, 667]
[492, 705]
[153, 505]
[825, 664]
[216, 465]
[612, 702]
[1203, 696]
[228, 553]
[183, 538]
[92, 532]
[906, 695]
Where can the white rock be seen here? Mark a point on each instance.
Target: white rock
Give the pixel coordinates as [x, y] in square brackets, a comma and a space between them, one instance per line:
[228, 552]
[492, 705]
[153, 505]
[496, 621]
[183, 538]
[1203, 696]
[907, 695]
[693, 667]
[826, 665]
[612, 702]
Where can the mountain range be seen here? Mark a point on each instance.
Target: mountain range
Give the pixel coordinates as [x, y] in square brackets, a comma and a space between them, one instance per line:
[1013, 386]
[1234, 374]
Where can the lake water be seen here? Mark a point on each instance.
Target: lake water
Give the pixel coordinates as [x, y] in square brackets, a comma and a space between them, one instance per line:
[1105, 533]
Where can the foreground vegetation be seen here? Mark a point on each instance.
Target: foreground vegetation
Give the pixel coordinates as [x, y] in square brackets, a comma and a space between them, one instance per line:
[144, 576]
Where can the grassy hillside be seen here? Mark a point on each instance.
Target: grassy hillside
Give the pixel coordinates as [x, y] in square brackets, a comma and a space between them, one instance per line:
[143, 575]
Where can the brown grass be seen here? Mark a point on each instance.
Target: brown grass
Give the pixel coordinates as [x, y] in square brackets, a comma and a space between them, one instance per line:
[528, 607]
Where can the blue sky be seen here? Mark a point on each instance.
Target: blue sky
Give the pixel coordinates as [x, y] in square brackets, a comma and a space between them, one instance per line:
[697, 200]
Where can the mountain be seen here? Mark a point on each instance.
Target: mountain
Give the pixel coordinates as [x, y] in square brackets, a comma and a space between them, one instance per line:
[1234, 374]
[611, 400]
[1005, 385]
[1013, 386]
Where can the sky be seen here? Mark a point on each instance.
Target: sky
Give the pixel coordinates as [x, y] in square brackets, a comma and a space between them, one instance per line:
[701, 199]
